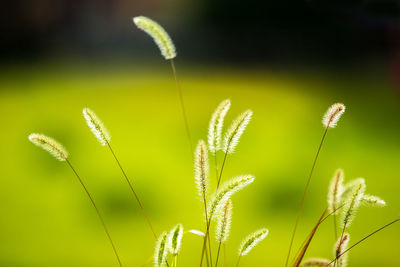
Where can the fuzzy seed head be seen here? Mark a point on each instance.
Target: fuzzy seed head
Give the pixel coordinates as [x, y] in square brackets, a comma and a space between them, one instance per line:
[340, 247]
[159, 35]
[197, 232]
[315, 262]
[373, 201]
[352, 203]
[175, 239]
[252, 240]
[336, 189]
[349, 187]
[216, 124]
[96, 126]
[224, 219]
[50, 145]
[227, 190]
[201, 168]
[333, 115]
[235, 131]
[161, 250]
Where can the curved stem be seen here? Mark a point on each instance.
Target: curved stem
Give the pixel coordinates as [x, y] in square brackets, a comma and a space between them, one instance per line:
[225, 255]
[97, 211]
[304, 195]
[363, 239]
[182, 106]
[133, 191]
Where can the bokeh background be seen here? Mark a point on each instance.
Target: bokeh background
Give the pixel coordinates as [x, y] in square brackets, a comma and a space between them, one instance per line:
[286, 60]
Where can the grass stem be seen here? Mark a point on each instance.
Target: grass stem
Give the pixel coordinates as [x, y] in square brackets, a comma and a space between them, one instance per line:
[363, 239]
[182, 105]
[133, 191]
[304, 195]
[97, 211]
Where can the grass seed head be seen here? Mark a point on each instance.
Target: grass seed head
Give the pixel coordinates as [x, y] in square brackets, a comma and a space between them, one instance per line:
[252, 240]
[96, 126]
[161, 250]
[333, 115]
[373, 201]
[216, 124]
[50, 145]
[336, 189]
[175, 239]
[235, 131]
[159, 35]
[315, 262]
[224, 219]
[340, 247]
[352, 203]
[227, 190]
[201, 168]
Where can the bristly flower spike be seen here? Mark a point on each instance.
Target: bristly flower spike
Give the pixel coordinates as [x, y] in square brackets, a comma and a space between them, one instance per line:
[96, 126]
[315, 262]
[50, 145]
[333, 115]
[235, 131]
[227, 190]
[224, 220]
[252, 240]
[161, 250]
[216, 124]
[175, 239]
[340, 247]
[336, 189]
[373, 201]
[159, 35]
[352, 204]
[201, 168]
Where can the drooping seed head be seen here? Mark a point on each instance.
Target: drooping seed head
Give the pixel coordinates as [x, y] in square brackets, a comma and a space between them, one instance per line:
[224, 219]
[315, 262]
[159, 35]
[161, 250]
[352, 203]
[339, 248]
[216, 124]
[175, 239]
[96, 126]
[197, 232]
[201, 168]
[252, 240]
[373, 201]
[333, 115]
[336, 189]
[50, 145]
[227, 190]
[235, 131]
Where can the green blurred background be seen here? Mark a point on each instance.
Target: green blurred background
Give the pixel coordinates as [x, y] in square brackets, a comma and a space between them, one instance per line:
[288, 69]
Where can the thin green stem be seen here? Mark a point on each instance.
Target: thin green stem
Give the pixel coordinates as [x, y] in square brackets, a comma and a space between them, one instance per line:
[219, 247]
[97, 211]
[182, 105]
[363, 239]
[133, 191]
[304, 196]
[237, 264]
[222, 169]
[205, 243]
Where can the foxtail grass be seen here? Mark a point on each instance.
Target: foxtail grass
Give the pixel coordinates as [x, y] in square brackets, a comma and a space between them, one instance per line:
[102, 134]
[250, 242]
[161, 251]
[330, 119]
[223, 227]
[232, 137]
[334, 195]
[339, 248]
[168, 51]
[60, 153]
